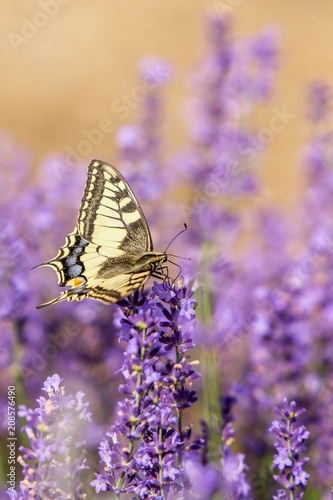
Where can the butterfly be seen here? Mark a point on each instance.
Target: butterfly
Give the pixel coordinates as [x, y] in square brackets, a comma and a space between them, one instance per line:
[109, 254]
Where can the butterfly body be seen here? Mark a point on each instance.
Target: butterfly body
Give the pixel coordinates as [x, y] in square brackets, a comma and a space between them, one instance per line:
[109, 254]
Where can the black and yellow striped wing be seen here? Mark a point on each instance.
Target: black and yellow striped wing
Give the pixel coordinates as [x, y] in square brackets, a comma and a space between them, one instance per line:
[110, 252]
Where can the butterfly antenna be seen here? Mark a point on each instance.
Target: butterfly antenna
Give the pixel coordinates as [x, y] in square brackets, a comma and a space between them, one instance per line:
[178, 257]
[173, 239]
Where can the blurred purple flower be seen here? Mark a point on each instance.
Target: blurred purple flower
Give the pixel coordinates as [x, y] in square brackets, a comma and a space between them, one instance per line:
[203, 481]
[235, 484]
[140, 155]
[155, 71]
[265, 50]
[13, 289]
[220, 163]
[319, 101]
[53, 464]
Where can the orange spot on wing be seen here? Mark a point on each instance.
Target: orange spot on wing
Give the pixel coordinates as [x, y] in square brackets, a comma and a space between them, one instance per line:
[75, 282]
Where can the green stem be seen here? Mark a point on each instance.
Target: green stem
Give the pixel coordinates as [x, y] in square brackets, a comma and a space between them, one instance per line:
[210, 366]
[211, 395]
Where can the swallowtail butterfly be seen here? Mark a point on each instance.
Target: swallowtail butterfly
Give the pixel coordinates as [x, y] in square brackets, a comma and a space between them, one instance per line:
[110, 252]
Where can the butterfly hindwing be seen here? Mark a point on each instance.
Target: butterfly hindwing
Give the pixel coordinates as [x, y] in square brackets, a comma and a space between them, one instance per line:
[113, 289]
[110, 252]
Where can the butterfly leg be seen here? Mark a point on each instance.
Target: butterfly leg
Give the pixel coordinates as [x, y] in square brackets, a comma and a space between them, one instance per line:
[162, 273]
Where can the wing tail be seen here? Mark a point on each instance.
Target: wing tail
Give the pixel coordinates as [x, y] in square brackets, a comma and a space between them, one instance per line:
[74, 293]
[43, 264]
[62, 296]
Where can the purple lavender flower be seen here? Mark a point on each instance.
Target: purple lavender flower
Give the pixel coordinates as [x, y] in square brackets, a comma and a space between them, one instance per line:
[148, 437]
[220, 162]
[264, 50]
[235, 484]
[202, 480]
[53, 464]
[290, 446]
[213, 468]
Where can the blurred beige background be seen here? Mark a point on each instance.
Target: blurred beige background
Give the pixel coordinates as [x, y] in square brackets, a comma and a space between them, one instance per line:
[62, 77]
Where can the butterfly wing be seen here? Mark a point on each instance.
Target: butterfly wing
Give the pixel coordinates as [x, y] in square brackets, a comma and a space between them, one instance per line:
[101, 257]
[110, 216]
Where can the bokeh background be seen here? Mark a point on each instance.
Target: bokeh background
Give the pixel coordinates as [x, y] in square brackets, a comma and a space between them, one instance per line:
[66, 66]
[84, 55]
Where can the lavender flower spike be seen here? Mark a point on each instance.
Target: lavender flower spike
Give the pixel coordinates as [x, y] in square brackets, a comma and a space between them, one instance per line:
[289, 445]
[53, 464]
[143, 455]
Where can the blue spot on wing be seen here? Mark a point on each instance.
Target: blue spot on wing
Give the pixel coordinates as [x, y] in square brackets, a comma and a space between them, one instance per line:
[74, 271]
